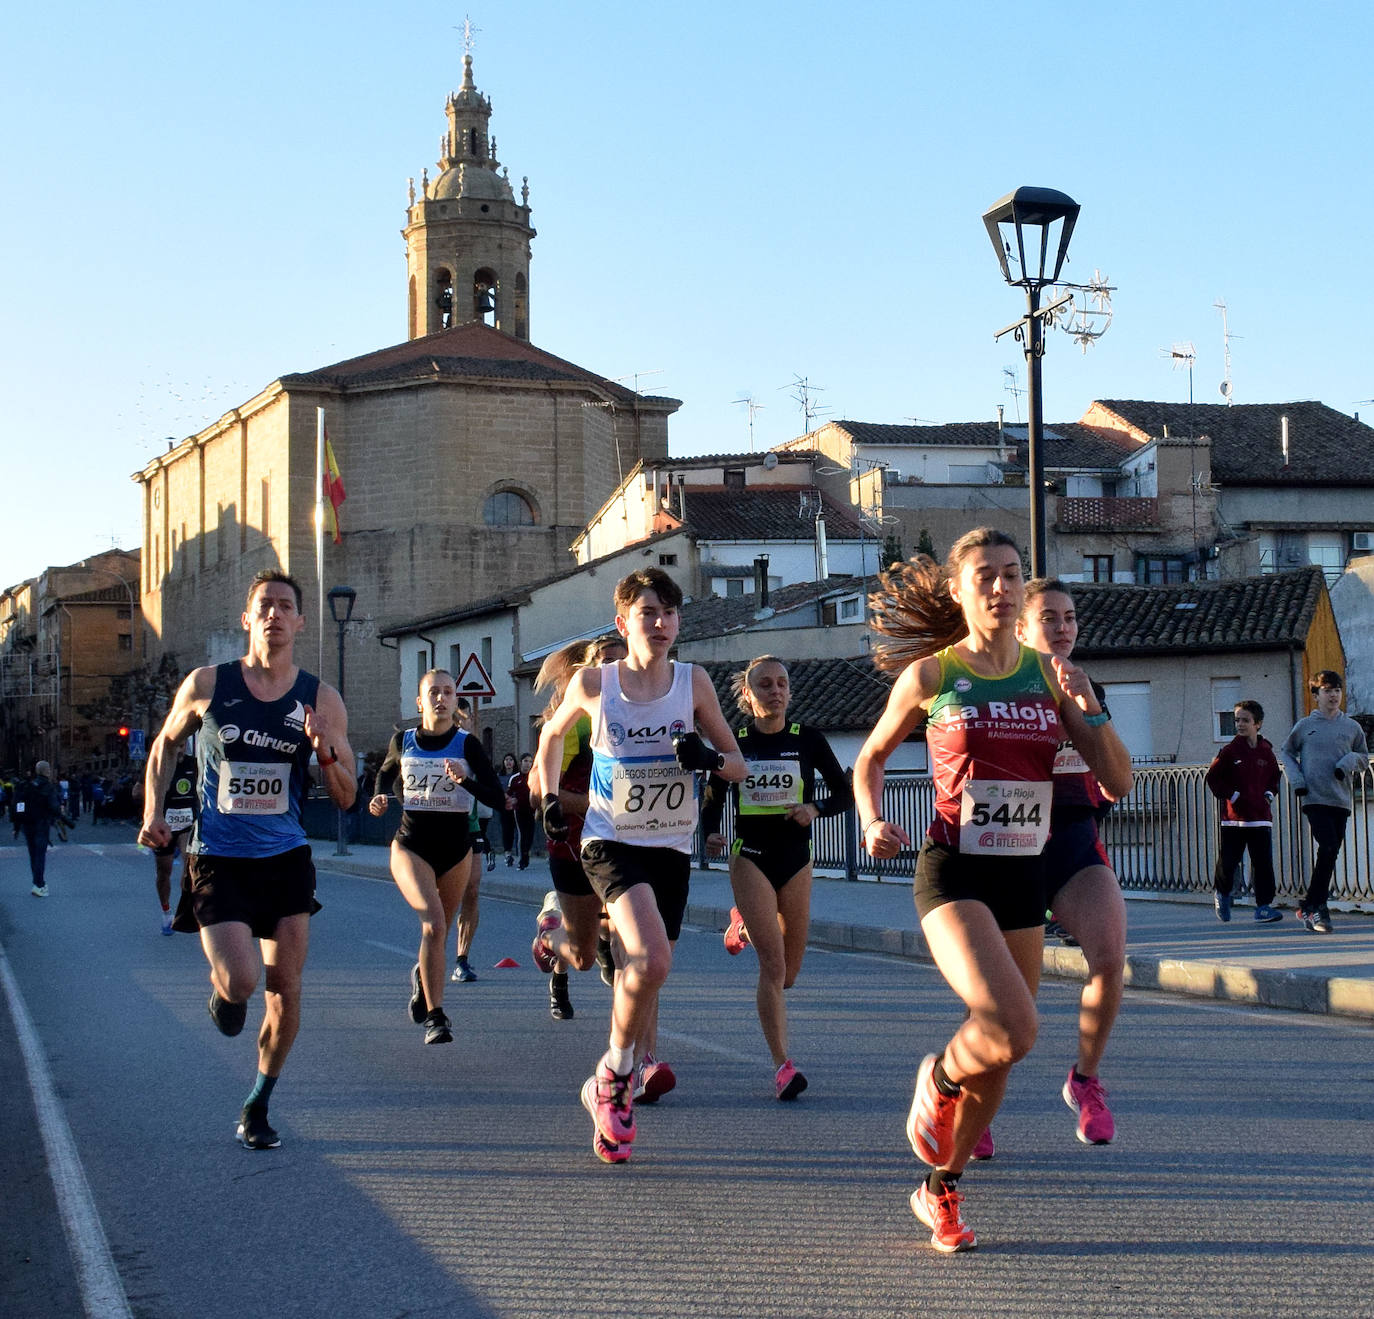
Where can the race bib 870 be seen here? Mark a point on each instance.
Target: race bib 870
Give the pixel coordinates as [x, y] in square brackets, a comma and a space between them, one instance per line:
[650, 799]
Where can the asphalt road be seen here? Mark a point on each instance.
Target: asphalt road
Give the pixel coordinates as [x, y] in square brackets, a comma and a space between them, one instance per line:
[459, 1180]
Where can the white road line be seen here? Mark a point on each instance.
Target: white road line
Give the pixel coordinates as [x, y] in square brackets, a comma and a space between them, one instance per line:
[407, 953]
[707, 1047]
[96, 1276]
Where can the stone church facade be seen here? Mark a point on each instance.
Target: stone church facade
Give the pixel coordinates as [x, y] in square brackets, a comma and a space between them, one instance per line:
[471, 458]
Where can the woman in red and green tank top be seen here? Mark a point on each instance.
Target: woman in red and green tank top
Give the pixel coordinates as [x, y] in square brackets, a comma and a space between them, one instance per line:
[995, 712]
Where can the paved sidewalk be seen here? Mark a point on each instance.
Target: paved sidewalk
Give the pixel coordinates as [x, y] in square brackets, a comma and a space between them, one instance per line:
[1175, 945]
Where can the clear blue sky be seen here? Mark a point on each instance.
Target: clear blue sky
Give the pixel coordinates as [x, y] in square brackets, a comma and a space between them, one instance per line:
[202, 198]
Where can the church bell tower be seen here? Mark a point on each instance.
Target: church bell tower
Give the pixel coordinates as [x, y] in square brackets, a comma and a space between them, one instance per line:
[467, 238]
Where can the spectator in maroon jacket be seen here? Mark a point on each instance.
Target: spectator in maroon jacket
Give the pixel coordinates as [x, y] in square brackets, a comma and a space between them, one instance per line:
[1244, 778]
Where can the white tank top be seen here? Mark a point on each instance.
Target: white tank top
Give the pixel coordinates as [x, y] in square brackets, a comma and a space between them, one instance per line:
[638, 793]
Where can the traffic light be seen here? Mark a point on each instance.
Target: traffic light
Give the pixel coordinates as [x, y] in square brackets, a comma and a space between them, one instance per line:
[124, 731]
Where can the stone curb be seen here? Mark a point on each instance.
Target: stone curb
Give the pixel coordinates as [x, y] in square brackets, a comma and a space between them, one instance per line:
[1294, 991]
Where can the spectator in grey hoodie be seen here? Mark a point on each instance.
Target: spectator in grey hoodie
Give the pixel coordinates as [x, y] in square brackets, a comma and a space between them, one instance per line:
[1321, 757]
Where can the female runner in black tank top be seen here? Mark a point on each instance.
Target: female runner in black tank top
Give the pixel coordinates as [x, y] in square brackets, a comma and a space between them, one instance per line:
[770, 867]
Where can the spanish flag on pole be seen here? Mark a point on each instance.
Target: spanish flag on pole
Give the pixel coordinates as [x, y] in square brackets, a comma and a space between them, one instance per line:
[333, 491]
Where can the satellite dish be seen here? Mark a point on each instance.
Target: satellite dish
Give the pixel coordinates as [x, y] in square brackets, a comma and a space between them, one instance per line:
[770, 461]
[1225, 388]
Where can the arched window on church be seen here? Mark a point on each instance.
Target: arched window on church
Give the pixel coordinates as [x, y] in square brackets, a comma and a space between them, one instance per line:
[443, 297]
[508, 508]
[472, 141]
[484, 288]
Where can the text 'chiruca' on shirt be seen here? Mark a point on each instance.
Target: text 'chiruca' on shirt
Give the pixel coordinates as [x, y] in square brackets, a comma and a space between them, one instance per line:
[253, 757]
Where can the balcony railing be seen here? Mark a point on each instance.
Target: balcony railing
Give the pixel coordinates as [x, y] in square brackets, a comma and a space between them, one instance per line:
[1079, 513]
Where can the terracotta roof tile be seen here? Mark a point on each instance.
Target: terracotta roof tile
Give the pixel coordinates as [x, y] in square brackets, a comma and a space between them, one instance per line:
[1325, 447]
[835, 695]
[982, 434]
[761, 513]
[465, 351]
[715, 615]
[1250, 613]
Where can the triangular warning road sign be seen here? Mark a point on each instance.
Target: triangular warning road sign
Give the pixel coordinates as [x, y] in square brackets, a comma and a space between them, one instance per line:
[474, 679]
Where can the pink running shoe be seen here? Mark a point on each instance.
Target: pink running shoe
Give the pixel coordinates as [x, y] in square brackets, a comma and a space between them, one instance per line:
[789, 1082]
[614, 1105]
[985, 1148]
[930, 1124]
[550, 918]
[1087, 1098]
[736, 936]
[605, 1150]
[939, 1211]
[653, 1079]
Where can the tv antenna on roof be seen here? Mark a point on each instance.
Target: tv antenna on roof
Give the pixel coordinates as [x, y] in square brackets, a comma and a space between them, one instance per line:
[1011, 385]
[802, 389]
[635, 375]
[1226, 337]
[754, 406]
[1182, 354]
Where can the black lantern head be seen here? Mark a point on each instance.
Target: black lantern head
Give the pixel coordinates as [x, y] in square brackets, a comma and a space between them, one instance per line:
[1028, 218]
[341, 600]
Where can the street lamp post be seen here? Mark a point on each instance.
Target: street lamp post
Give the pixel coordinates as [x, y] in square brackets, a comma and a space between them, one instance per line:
[1033, 213]
[341, 600]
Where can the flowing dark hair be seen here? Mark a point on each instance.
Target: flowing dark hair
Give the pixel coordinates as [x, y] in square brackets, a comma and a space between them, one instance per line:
[912, 607]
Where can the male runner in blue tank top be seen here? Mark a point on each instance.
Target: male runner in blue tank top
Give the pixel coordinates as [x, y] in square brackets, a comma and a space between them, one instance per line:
[248, 873]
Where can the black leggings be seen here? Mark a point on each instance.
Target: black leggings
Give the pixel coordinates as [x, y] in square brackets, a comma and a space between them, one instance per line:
[1328, 833]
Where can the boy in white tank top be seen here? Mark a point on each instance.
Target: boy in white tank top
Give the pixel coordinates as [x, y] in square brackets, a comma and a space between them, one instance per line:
[641, 817]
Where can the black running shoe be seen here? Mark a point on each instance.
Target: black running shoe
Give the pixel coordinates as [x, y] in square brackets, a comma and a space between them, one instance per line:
[438, 1028]
[228, 1017]
[419, 1009]
[605, 961]
[560, 1005]
[255, 1133]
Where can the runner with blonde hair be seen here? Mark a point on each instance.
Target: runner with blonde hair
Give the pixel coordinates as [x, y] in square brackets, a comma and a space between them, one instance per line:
[770, 860]
[438, 768]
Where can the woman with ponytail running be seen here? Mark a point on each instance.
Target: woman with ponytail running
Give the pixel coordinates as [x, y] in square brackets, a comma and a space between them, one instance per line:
[995, 713]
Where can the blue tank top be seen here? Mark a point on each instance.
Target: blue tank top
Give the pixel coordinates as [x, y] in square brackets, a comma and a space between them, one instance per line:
[253, 756]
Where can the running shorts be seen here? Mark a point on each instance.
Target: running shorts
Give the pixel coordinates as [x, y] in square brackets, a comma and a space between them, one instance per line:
[257, 891]
[1011, 887]
[441, 855]
[779, 857]
[1074, 845]
[568, 876]
[615, 868]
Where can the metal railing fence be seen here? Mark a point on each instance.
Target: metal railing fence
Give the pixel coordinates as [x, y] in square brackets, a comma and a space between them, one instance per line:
[1161, 838]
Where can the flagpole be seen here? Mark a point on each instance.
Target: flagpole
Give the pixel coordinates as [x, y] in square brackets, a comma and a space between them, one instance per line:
[319, 528]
